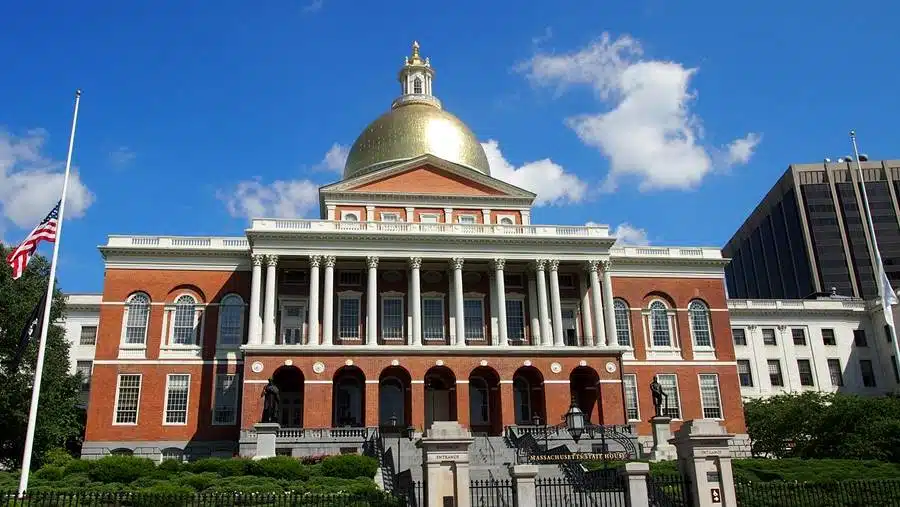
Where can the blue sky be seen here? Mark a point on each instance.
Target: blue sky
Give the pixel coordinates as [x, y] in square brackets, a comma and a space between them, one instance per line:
[672, 120]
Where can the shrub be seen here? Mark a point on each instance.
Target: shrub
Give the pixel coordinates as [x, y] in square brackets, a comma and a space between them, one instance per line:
[198, 482]
[222, 466]
[169, 467]
[50, 473]
[78, 466]
[120, 469]
[279, 467]
[58, 457]
[337, 485]
[349, 466]
[246, 484]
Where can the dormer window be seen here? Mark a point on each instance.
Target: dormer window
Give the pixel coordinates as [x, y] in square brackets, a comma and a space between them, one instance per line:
[350, 217]
[417, 85]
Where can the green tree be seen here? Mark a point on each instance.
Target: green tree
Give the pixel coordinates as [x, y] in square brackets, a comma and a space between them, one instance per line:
[60, 421]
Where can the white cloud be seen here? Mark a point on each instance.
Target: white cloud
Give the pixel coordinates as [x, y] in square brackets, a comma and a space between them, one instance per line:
[314, 6]
[121, 157]
[648, 130]
[280, 199]
[627, 234]
[335, 158]
[547, 179]
[31, 183]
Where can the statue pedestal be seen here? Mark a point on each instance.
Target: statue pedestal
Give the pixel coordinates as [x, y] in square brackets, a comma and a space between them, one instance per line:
[662, 431]
[265, 439]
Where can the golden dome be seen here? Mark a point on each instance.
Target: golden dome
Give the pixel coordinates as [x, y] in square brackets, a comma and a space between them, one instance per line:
[415, 125]
[412, 130]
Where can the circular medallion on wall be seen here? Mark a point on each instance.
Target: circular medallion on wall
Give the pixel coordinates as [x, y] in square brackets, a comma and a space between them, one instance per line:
[527, 362]
[439, 362]
[582, 363]
[318, 367]
[391, 276]
[432, 276]
[483, 362]
[556, 367]
[471, 277]
[288, 362]
[257, 367]
[611, 367]
[348, 362]
[395, 363]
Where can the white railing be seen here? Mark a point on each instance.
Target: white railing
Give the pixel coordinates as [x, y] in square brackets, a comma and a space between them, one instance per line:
[179, 242]
[664, 252]
[795, 304]
[300, 225]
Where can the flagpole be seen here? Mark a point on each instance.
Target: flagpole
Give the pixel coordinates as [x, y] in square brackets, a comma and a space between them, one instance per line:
[880, 276]
[45, 324]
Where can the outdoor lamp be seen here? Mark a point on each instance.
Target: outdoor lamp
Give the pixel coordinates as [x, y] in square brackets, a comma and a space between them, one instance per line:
[536, 420]
[393, 421]
[411, 433]
[575, 421]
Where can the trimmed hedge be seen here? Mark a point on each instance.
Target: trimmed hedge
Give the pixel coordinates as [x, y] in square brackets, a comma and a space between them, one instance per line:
[348, 473]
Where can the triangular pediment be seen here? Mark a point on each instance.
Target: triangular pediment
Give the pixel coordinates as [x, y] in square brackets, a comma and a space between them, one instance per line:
[426, 175]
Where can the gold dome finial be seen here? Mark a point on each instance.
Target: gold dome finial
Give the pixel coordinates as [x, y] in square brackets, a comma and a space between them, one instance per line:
[415, 59]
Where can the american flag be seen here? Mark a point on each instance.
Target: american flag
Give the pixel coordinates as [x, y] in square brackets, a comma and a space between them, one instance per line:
[45, 231]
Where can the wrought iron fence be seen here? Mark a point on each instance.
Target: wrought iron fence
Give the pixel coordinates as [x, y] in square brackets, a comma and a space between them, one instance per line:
[67, 499]
[492, 493]
[557, 492]
[412, 493]
[819, 494]
[669, 491]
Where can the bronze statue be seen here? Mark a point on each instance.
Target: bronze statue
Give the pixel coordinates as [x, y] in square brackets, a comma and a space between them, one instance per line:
[659, 397]
[271, 401]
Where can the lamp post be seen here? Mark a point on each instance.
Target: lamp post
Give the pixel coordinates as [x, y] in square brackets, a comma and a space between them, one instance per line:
[575, 421]
[393, 422]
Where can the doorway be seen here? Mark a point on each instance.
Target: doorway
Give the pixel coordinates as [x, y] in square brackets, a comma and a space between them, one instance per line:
[440, 395]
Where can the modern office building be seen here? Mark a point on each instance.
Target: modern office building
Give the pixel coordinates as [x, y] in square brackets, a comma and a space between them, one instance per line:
[808, 234]
[80, 326]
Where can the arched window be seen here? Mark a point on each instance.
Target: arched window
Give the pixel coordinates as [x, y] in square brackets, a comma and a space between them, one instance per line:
[348, 402]
[417, 85]
[506, 221]
[699, 316]
[659, 324]
[351, 217]
[121, 451]
[391, 402]
[522, 400]
[183, 322]
[479, 401]
[231, 320]
[137, 313]
[623, 323]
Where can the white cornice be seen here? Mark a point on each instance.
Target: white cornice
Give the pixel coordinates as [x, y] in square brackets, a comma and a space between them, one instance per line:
[429, 350]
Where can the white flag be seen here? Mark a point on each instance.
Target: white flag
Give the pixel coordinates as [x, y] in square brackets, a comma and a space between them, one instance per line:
[888, 297]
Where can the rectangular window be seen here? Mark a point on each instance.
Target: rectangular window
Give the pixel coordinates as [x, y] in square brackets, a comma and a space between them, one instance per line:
[868, 373]
[739, 336]
[293, 277]
[566, 280]
[775, 377]
[836, 373]
[428, 218]
[350, 278]
[745, 375]
[672, 403]
[473, 313]
[84, 369]
[349, 317]
[433, 318]
[225, 411]
[515, 319]
[128, 397]
[806, 374]
[859, 338]
[390, 217]
[513, 280]
[632, 412]
[177, 388]
[88, 335]
[710, 399]
[466, 219]
[768, 335]
[828, 337]
[799, 335]
[392, 317]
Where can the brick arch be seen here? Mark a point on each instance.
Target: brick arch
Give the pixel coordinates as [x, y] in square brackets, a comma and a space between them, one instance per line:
[584, 388]
[440, 395]
[529, 398]
[657, 294]
[290, 382]
[481, 378]
[395, 396]
[348, 397]
[191, 289]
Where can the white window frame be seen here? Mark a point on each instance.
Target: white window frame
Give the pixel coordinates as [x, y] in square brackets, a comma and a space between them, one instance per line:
[134, 350]
[187, 401]
[677, 394]
[637, 397]
[429, 216]
[511, 218]
[395, 217]
[467, 216]
[718, 396]
[299, 301]
[350, 295]
[673, 350]
[81, 335]
[234, 411]
[137, 411]
[701, 351]
[393, 296]
[442, 298]
[240, 336]
[519, 298]
[475, 296]
[750, 368]
[168, 347]
[345, 214]
[163, 455]
[627, 327]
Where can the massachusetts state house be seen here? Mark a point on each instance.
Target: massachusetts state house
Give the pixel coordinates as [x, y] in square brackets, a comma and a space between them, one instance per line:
[423, 293]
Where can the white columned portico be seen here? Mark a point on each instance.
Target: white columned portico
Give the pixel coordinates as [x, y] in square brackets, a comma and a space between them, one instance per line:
[372, 302]
[495, 319]
[533, 309]
[597, 301]
[608, 307]
[500, 289]
[313, 314]
[458, 300]
[587, 315]
[546, 335]
[415, 265]
[269, 320]
[328, 302]
[555, 305]
[254, 331]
